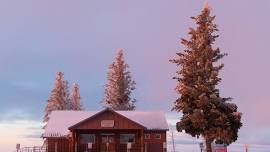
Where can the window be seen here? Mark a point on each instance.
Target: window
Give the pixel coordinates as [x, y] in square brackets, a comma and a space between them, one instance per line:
[125, 138]
[158, 136]
[147, 136]
[87, 138]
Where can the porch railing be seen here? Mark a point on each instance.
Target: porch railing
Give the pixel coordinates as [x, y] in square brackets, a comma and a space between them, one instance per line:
[32, 149]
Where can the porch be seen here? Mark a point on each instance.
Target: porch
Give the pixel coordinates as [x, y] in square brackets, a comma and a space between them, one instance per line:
[108, 140]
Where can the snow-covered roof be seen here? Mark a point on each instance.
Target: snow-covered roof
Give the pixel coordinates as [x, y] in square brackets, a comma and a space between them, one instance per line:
[152, 120]
[60, 121]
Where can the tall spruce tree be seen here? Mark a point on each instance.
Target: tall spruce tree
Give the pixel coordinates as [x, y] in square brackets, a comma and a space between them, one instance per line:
[75, 98]
[58, 99]
[205, 112]
[119, 85]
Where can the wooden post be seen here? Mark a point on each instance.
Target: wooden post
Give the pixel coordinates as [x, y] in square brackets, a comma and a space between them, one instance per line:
[142, 141]
[71, 148]
[75, 143]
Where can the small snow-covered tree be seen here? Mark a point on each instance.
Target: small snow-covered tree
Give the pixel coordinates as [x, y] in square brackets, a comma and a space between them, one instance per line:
[58, 99]
[119, 85]
[75, 98]
[205, 112]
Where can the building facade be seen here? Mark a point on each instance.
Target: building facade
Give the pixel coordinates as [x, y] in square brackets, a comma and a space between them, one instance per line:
[106, 131]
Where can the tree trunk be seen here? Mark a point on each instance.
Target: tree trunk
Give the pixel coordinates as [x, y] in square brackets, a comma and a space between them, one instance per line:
[208, 144]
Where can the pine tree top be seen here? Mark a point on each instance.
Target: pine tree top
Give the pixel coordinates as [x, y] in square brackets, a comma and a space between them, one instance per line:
[119, 85]
[58, 99]
[75, 98]
[206, 5]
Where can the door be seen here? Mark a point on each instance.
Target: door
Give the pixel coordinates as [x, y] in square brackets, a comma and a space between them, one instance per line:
[107, 143]
[154, 147]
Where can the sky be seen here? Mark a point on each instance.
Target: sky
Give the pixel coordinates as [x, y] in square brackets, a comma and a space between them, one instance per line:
[80, 38]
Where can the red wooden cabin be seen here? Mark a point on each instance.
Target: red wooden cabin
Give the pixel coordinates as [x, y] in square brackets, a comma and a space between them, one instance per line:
[106, 131]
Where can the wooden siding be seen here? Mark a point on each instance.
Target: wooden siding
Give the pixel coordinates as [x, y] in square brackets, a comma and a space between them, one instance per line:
[150, 145]
[120, 122]
[63, 144]
[153, 144]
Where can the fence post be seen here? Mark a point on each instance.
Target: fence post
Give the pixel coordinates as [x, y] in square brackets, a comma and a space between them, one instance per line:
[18, 147]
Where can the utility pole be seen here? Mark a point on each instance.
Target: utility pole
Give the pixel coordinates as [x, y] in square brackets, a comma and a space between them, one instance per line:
[173, 141]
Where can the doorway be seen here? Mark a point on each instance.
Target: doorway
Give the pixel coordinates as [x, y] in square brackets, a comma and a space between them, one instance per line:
[107, 143]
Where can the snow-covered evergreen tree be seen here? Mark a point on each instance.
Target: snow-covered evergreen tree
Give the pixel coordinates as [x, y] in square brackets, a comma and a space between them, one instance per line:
[205, 112]
[75, 98]
[66, 95]
[58, 99]
[119, 85]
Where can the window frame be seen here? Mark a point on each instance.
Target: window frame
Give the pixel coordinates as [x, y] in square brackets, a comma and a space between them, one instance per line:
[134, 141]
[157, 135]
[81, 138]
[147, 136]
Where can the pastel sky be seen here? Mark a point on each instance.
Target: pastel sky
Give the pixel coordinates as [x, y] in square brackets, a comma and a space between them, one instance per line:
[80, 38]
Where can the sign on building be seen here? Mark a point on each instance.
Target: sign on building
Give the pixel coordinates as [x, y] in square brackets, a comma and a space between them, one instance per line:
[107, 123]
[90, 145]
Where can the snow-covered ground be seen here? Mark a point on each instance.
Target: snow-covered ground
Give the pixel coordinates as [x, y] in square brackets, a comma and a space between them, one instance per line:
[232, 148]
